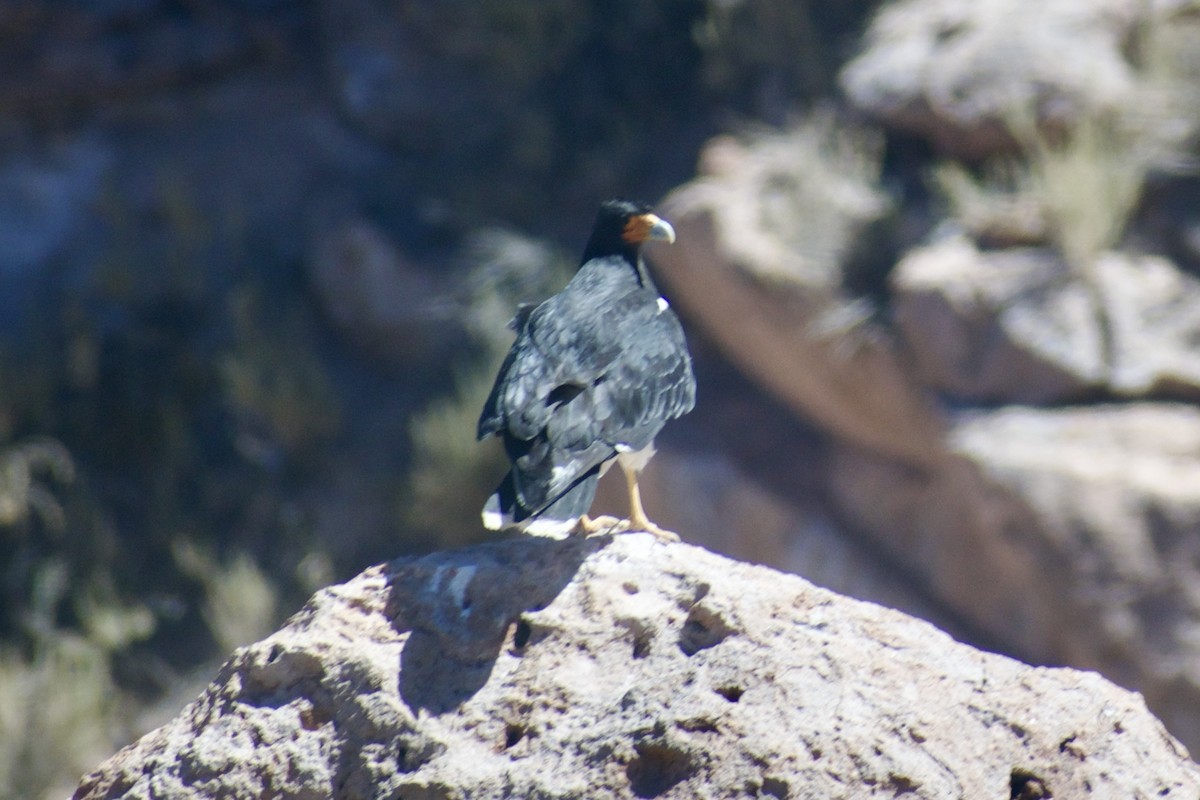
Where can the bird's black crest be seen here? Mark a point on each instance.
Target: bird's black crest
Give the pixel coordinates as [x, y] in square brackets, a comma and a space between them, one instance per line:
[606, 238]
[619, 207]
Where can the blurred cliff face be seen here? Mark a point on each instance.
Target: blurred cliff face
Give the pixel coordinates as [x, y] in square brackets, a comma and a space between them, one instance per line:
[234, 236]
[255, 256]
[251, 254]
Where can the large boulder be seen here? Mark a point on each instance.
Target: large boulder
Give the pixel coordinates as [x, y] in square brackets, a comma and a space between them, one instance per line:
[958, 73]
[628, 667]
[1020, 326]
[764, 236]
[1116, 491]
[1068, 535]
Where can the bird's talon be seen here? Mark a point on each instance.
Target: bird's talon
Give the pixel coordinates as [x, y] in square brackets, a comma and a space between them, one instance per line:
[664, 535]
[646, 526]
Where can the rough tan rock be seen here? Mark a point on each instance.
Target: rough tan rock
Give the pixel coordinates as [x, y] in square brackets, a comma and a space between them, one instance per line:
[971, 543]
[1116, 491]
[756, 265]
[954, 72]
[633, 668]
[1004, 325]
[1068, 534]
[726, 510]
[1020, 326]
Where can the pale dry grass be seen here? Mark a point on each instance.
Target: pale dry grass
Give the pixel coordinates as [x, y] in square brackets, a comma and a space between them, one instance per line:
[60, 710]
[1077, 187]
[240, 601]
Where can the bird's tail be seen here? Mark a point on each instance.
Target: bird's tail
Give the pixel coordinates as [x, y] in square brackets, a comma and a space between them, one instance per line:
[503, 510]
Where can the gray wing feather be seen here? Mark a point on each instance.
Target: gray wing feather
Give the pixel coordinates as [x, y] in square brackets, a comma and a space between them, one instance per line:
[586, 374]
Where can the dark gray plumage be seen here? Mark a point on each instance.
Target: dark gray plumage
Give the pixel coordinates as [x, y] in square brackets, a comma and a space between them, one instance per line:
[594, 374]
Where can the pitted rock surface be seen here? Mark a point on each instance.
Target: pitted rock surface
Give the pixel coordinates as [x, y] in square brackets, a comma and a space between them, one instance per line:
[627, 667]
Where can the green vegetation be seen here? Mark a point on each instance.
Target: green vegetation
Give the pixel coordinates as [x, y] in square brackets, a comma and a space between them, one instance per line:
[62, 710]
[146, 471]
[1088, 185]
[449, 466]
[1077, 186]
[240, 601]
[22, 491]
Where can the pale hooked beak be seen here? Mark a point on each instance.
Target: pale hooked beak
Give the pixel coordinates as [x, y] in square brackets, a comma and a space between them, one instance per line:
[660, 230]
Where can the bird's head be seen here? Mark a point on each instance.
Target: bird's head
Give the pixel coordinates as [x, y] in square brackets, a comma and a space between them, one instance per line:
[622, 227]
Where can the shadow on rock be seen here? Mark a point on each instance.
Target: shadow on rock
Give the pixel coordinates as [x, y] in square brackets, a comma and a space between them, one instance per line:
[459, 606]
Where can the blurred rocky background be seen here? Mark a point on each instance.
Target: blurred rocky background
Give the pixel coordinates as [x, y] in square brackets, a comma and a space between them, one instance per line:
[939, 262]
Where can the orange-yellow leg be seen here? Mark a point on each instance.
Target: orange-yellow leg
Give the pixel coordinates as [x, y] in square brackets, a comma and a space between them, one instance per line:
[638, 521]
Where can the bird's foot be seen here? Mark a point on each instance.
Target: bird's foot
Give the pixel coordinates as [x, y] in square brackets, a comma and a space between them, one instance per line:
[587, 526]
[642, 524]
